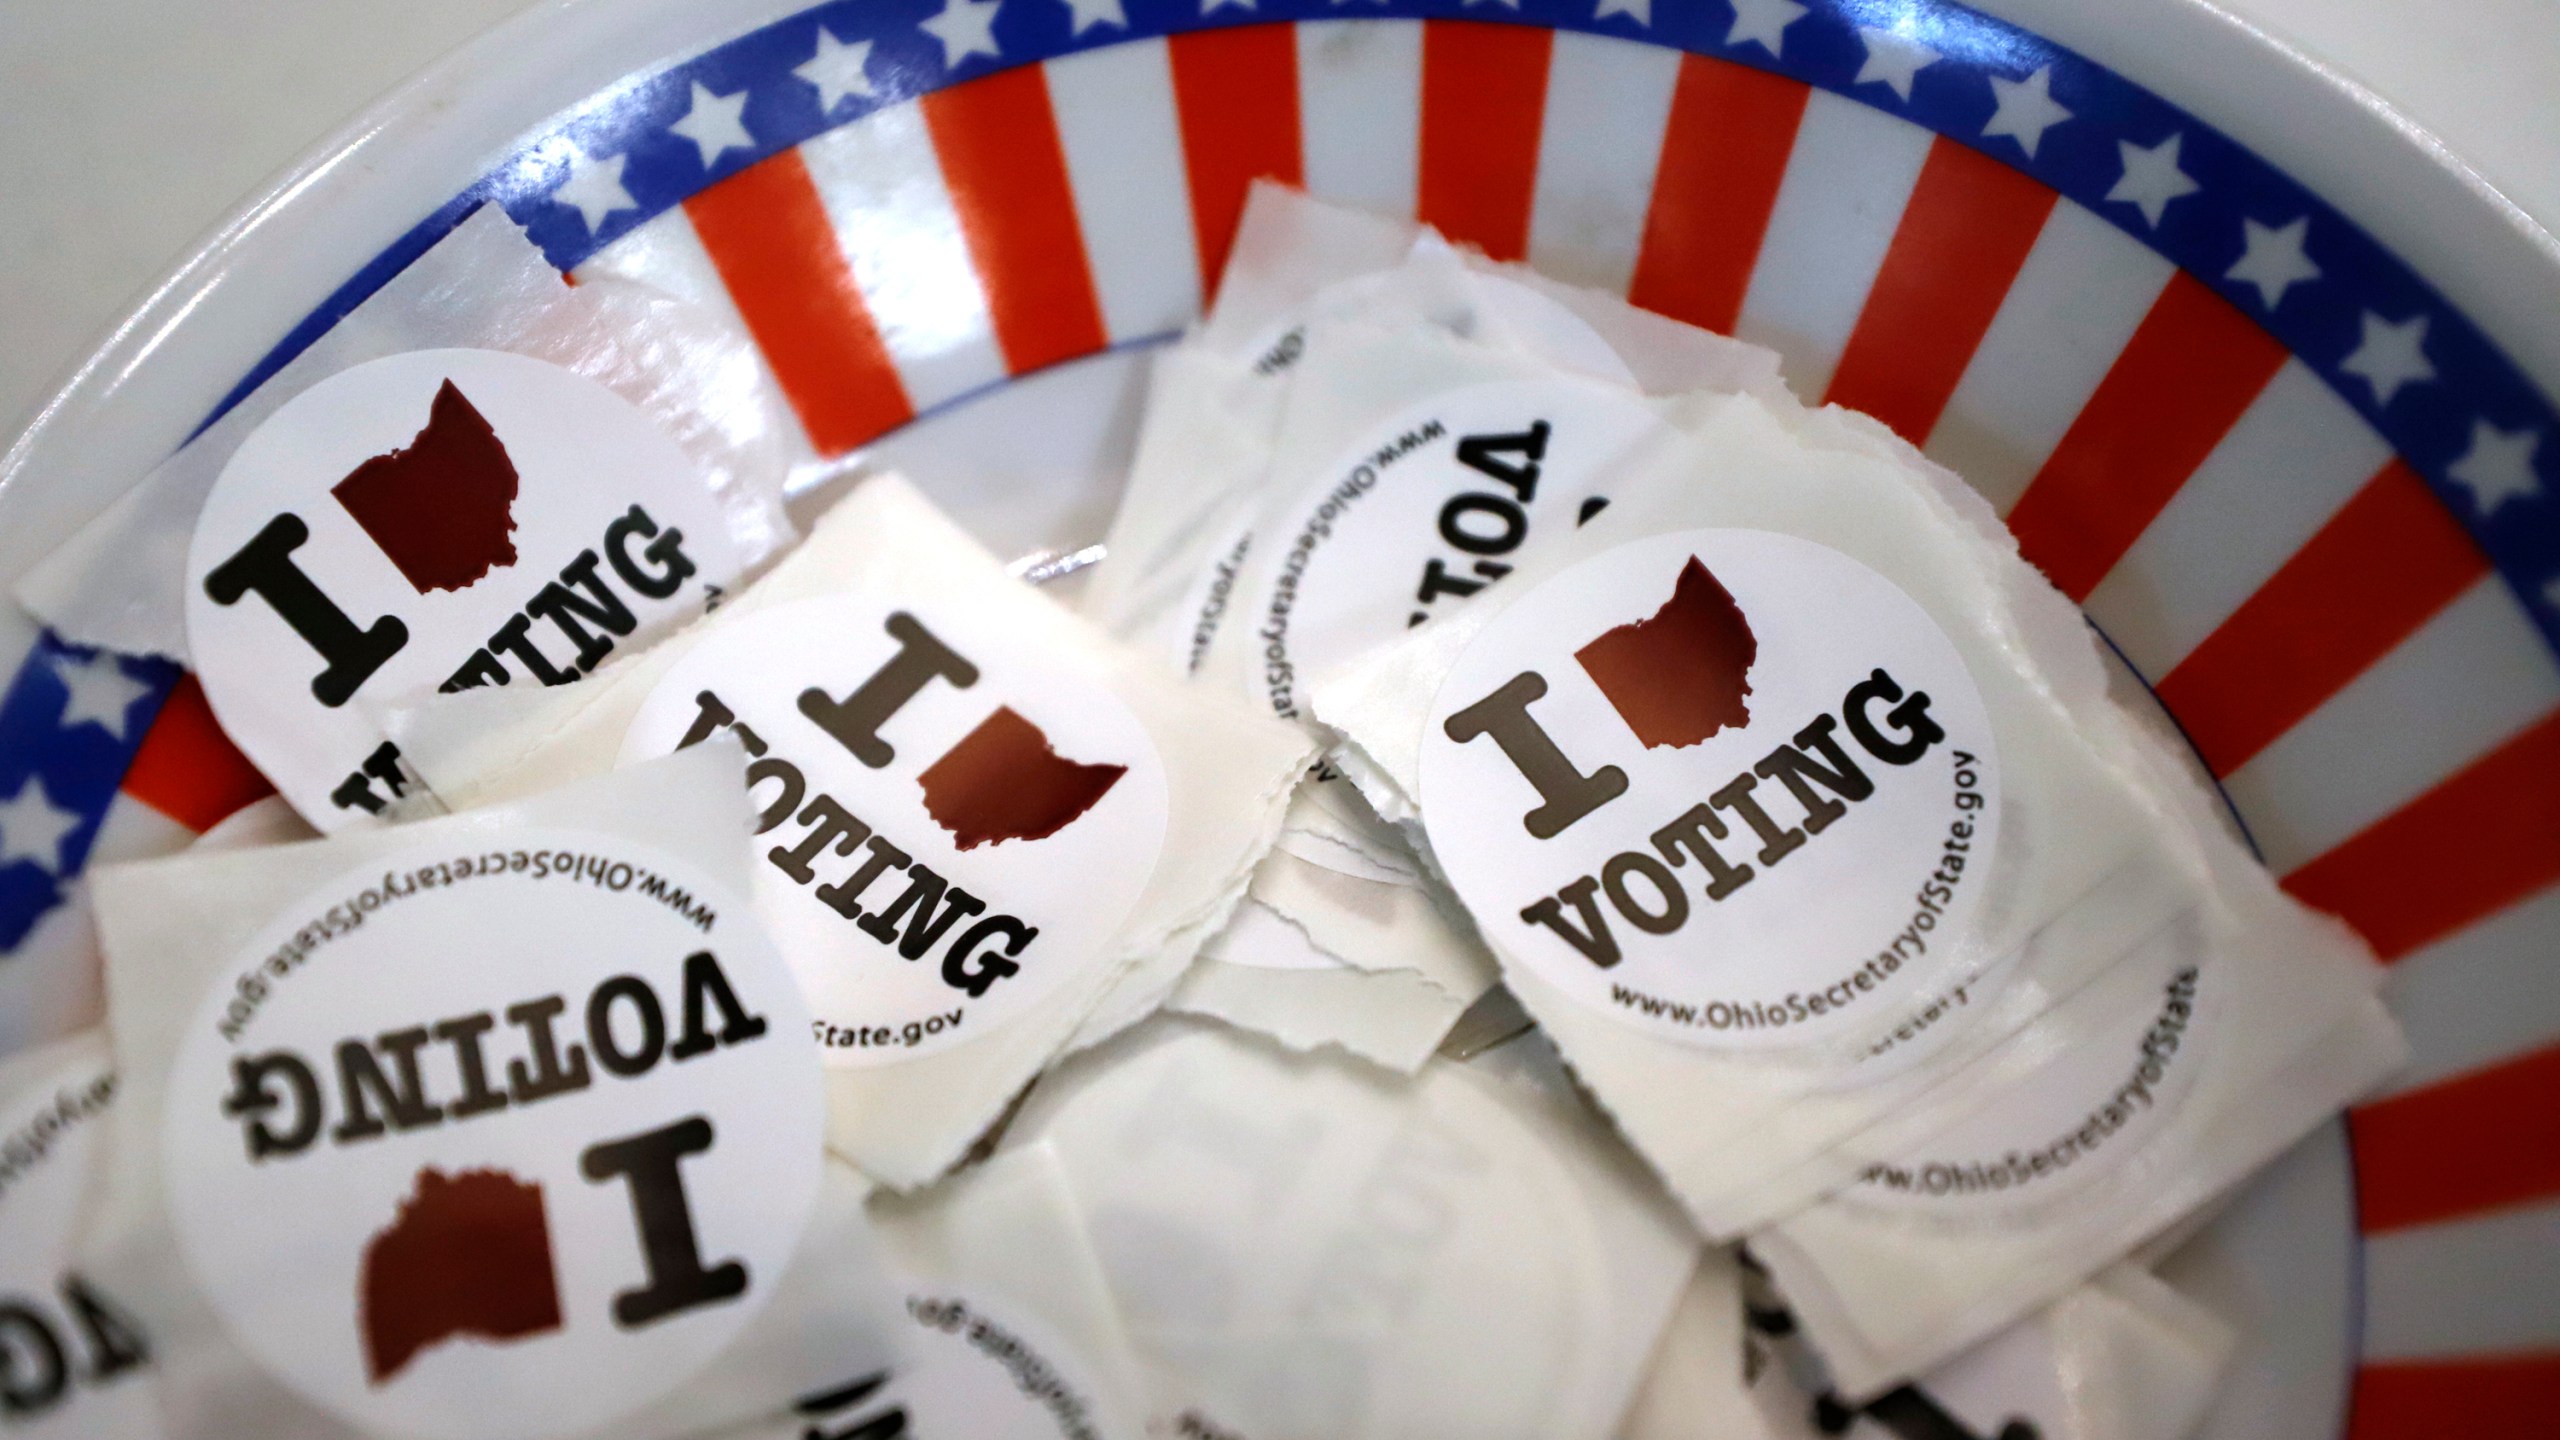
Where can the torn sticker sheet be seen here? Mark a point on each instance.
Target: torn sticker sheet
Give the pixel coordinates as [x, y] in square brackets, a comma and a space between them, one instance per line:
[503, 1124]
[79, 1362]
[2226, 1036]
[1304, 1246]
[1014, 1335]
[1264, 973]
[1408, 469]
[1902, 1081]
[2123, 1357]
[985, 832]
[482, 475]
[1451, 399]
[1320, 955]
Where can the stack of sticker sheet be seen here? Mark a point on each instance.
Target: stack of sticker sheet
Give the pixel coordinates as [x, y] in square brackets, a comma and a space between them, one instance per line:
[1540, 887]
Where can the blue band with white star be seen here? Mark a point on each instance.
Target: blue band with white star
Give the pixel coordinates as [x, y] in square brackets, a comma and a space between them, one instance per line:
[70, 724]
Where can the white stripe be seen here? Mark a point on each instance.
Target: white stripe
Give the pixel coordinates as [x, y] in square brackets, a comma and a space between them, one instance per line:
[667, 255]
[2075, 303]
[1608, 103]
[1848, 179]
[2468, 679]
[1123, 140]
[2475, 1287]
[2293, 457]
[132, 830]
[884, 191]
[1360, 111]
[2479, 996]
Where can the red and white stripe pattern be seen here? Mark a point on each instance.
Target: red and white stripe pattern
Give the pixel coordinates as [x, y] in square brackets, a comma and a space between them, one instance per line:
[2378, 704]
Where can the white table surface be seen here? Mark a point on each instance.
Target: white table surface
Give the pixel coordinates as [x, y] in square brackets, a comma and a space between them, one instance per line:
[128, 127]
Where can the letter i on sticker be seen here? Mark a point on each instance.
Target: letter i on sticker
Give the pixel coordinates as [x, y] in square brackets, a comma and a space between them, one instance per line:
[1002, 781]
[441, 509]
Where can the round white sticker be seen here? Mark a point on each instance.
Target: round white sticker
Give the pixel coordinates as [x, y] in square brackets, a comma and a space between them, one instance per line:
[73, 1360]
[496, 1142]
[1425, 510]
[1927, 1030]
[1206, 600]
[953, 824]
[2086, 1114]
[1730, 787]
[49, 1133]
[441, 519]
[988, 1369]
[1379, 1229]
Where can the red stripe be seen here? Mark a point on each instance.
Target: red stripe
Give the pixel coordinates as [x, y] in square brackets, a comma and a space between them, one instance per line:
[998, 143]
[187, 769]
[776, 250]
[2189, 371]
[2391, 557]
[1965, 232]
[2488, 1398]
[1484, 100]
[2481, 1141]
[1237, 91]
[1724, 153]
[2480, 841]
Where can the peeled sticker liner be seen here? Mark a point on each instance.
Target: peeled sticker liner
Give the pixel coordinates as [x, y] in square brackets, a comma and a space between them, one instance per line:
[1008, 1330]
[523, 1101]
[2224, 1037]
[1216, 401]
[73, 1359]
[984, 831]
[1301, 1246]
[1014, 1334]
[482, 476]
[1408, 469]
[1280, 968]
[2122, 1357]
[1694, 1387]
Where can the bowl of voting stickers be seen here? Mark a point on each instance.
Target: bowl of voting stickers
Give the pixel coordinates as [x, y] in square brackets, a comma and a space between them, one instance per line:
[1123, 718]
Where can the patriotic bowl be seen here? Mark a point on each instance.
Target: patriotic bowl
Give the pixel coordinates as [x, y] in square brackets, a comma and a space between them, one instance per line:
[2256, 374]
